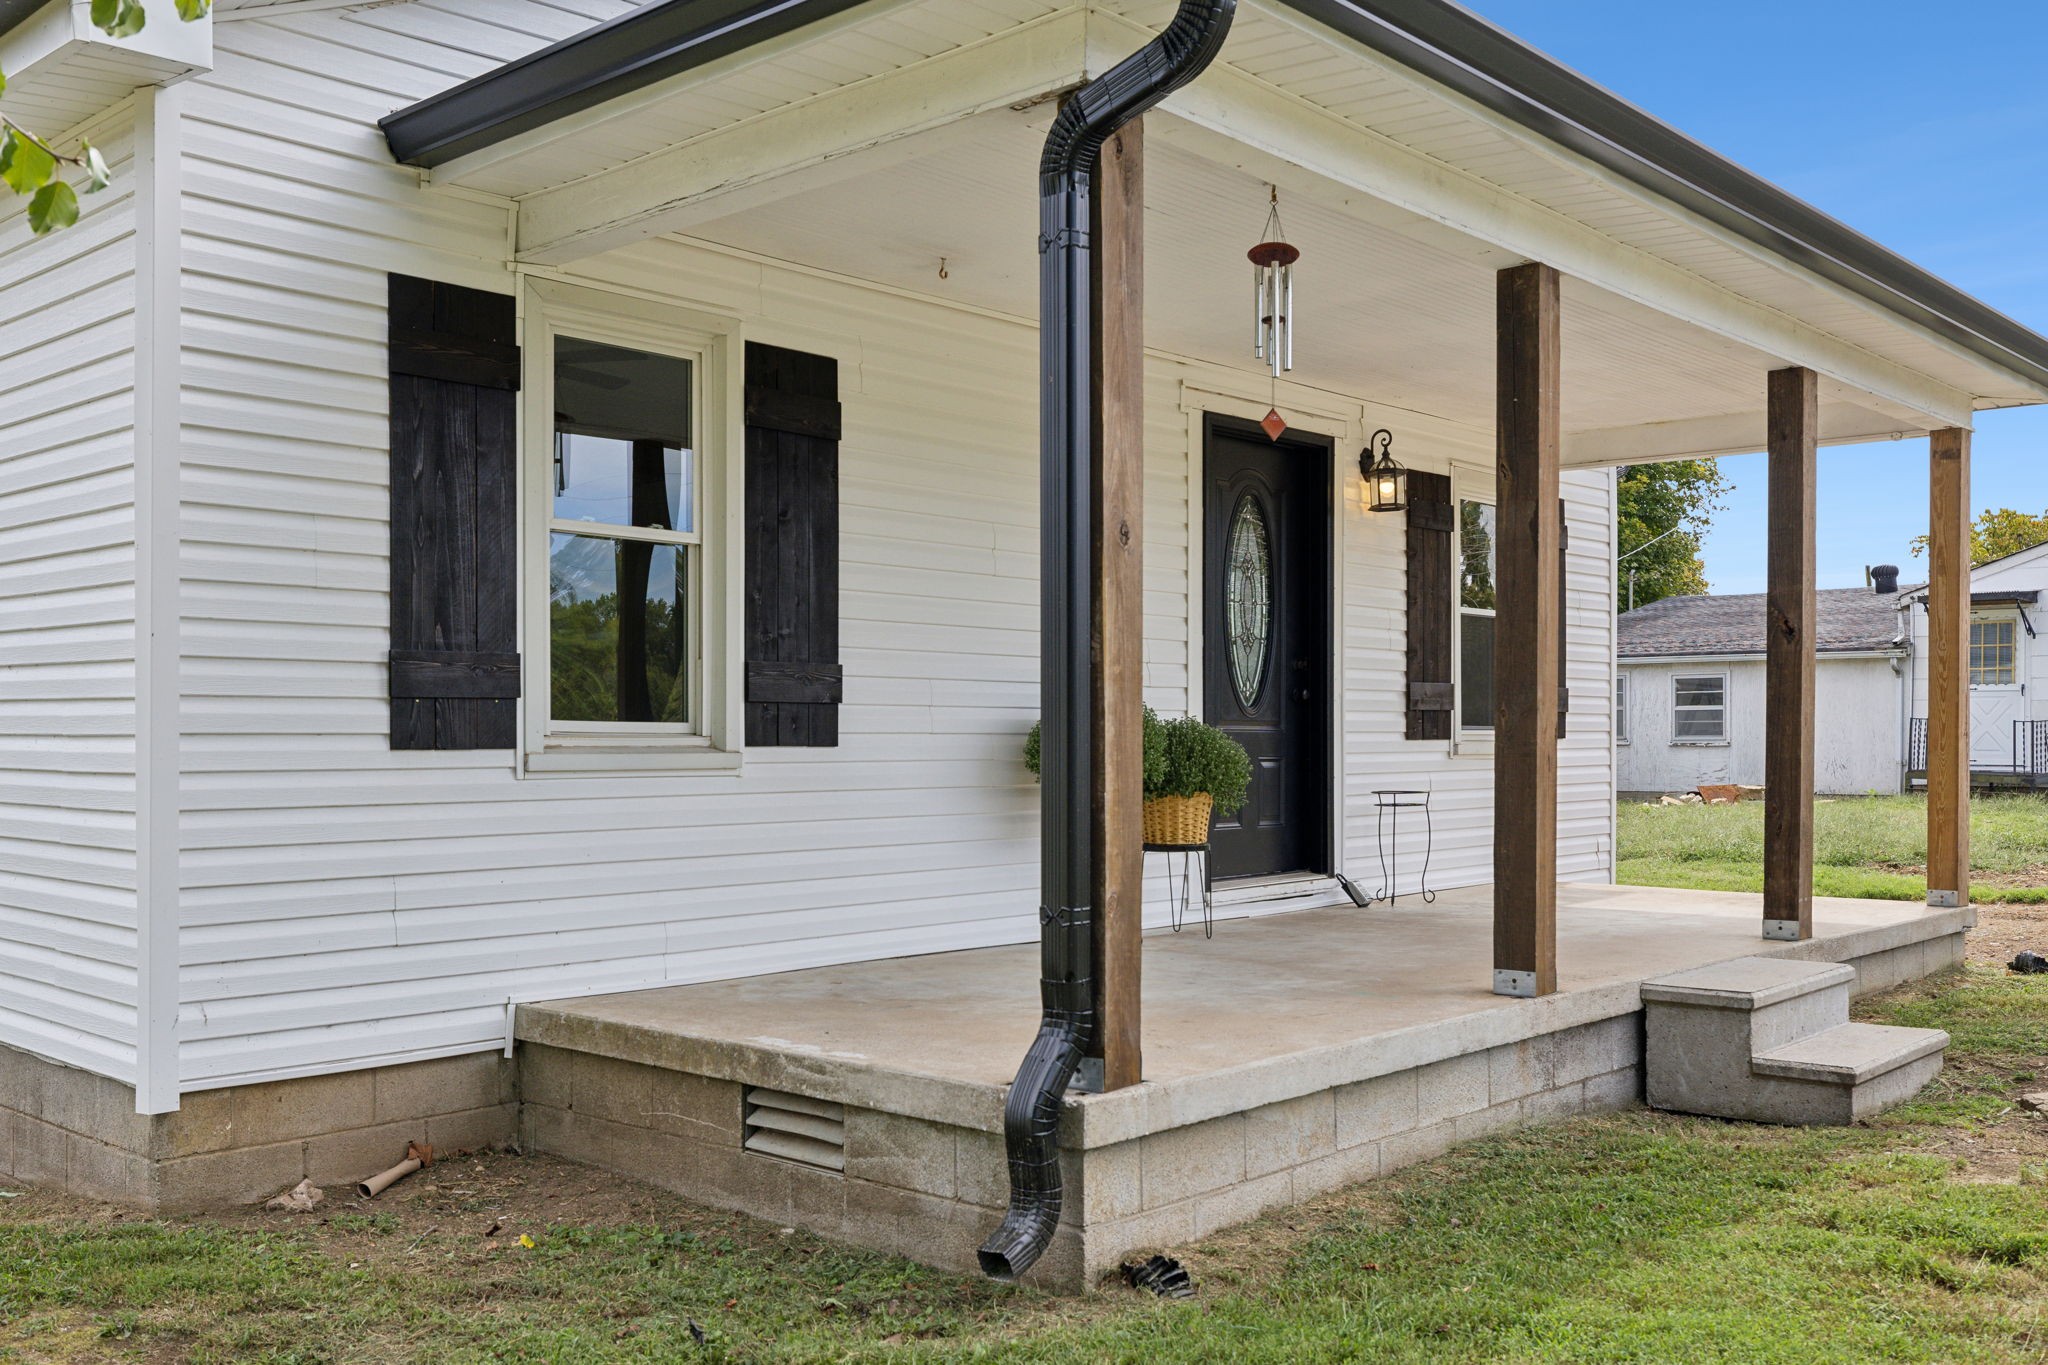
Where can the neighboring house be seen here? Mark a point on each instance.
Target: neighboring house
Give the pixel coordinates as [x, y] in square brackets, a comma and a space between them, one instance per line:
[581, 542]
[2008, 673]
[1689, 691]
[1689, 686]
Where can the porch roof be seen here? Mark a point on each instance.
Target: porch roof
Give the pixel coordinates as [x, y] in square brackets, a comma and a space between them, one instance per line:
[1455, 50]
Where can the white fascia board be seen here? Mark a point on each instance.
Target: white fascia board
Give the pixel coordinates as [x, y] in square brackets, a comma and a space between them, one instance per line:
[1694, 660]
[841, 133]
[1735, 433]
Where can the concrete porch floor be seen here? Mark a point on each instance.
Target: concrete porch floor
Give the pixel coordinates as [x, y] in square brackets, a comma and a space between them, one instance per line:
[1291, 1053]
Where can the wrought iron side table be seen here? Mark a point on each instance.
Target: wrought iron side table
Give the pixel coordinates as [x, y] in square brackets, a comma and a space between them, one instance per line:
[1389, 804]
[1182, 890]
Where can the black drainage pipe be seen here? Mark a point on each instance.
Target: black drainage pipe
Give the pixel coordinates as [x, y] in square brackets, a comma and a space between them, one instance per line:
[1073, 154]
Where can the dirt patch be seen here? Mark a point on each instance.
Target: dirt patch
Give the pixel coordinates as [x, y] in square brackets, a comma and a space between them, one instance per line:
[2003, 930]
[2011, 1151]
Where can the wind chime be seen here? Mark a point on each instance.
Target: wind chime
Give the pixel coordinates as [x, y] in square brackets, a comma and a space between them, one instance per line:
[1273, 296]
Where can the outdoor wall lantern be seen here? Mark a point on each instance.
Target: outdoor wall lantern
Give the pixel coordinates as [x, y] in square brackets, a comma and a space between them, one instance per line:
[1386, 482]
[1273, 307]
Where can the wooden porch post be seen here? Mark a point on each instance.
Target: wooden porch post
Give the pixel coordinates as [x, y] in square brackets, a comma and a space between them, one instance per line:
[1948, 671]
[1529, 562]
[1789, 658]
[1119, 591]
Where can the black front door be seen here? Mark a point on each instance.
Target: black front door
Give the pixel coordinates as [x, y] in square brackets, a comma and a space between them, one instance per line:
[1266, 633]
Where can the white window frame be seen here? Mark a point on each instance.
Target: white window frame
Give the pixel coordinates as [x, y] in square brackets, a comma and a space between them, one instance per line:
[1621, 690]
[1464, 490]
[712, 344]
[2012, 624]
[1698, 741]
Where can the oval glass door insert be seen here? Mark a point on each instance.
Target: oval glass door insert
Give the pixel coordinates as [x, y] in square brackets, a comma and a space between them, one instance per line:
[1248, 599]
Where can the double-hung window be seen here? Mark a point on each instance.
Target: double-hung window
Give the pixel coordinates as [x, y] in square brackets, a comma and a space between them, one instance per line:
[632, 557]
[1476, 600]
[624, 544]
[1699, 708]
[1621, 708]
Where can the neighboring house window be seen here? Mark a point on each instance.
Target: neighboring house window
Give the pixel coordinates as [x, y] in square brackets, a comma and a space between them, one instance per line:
[1991, 654]
[1621, 708]
[624, 550]
[1476, 568]
[1699, 708]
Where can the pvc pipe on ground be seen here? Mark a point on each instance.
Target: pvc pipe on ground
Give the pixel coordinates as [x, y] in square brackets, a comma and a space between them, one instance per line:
[417, 1157]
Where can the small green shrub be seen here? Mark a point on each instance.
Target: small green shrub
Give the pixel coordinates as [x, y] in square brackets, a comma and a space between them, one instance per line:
[1182, 758]
[1201, 758]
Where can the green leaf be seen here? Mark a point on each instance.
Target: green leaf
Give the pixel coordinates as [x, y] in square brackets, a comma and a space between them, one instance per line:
[188, 10]
[95, 167]
[26, 165]
[3, 82]
[55, 206]
[119, 18]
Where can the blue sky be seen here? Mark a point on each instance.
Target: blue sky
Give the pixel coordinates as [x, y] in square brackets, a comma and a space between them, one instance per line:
[1925, 128]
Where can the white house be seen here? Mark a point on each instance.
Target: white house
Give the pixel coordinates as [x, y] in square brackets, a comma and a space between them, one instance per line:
[353, 794]
[1689, 686]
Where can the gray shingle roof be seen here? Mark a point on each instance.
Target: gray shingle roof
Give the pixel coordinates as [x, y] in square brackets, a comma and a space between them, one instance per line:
[1849, 618]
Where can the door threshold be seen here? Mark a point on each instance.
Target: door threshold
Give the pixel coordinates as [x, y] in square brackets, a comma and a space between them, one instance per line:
[1284, 886]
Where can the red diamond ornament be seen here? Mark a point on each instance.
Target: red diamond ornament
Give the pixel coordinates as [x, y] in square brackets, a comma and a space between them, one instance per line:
[1273, 424]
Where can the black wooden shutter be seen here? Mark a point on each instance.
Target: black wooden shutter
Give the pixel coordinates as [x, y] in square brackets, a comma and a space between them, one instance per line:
[454, 534]
[793, 677]
[1432, 604]
[1564, 630]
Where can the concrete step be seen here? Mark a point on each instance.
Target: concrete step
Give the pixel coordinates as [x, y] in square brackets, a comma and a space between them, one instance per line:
[1769, 1001]
[1769, 1040]
[1854, 1054]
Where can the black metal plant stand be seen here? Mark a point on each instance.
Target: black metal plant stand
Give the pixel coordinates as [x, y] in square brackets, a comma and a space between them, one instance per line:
[1181, 890]
[1389, 805]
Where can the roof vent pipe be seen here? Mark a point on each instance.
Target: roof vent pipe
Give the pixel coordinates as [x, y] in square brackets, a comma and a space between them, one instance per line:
[1884, 579]
[1067, 455]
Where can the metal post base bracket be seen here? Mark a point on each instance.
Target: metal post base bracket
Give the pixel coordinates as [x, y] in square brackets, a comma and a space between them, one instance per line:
[1945, 900]
[1088, 1077]
[1521, 985]
[1785, 930]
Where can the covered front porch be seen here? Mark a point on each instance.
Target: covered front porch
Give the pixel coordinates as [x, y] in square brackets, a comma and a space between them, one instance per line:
[1291, 1054]
[1524, 303]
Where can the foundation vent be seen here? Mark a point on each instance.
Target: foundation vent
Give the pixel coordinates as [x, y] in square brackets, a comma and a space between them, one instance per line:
[795, 1128]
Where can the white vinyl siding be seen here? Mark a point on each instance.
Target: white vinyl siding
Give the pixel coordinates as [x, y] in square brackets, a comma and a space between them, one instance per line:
[67, 625]
[344, 905]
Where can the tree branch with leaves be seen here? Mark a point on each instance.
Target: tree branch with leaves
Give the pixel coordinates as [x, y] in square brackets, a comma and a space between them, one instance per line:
[31, 165]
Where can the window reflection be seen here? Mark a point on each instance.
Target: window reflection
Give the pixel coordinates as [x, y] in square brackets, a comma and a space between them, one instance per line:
[618, 626]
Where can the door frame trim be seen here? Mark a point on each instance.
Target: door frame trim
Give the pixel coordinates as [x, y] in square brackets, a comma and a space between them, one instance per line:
[1211, 422]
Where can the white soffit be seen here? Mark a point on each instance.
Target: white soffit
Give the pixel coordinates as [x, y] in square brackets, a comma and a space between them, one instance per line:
[700, 129]
[61, 70]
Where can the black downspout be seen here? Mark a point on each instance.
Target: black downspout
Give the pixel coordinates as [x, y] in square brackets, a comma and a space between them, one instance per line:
[1066, 174]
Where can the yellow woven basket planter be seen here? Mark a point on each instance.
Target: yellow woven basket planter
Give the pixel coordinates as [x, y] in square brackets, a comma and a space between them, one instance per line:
[1178, 819]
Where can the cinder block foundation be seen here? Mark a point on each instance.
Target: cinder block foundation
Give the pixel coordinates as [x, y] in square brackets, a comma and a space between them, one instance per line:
[920, 1169]
[77, 1131]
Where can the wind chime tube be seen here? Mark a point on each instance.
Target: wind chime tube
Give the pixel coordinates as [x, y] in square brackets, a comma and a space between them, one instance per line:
[1273, 317]
[1287, 314]
[1259, 311]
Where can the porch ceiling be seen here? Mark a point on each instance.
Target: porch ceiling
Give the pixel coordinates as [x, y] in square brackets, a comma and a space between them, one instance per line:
[1391, 308]
[1500, 153]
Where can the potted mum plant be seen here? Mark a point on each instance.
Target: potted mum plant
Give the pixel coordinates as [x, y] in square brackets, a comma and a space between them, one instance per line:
[1192, 771]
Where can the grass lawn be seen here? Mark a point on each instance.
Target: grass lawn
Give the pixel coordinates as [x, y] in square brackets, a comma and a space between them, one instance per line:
[1631, 1237]
[1872, 847]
